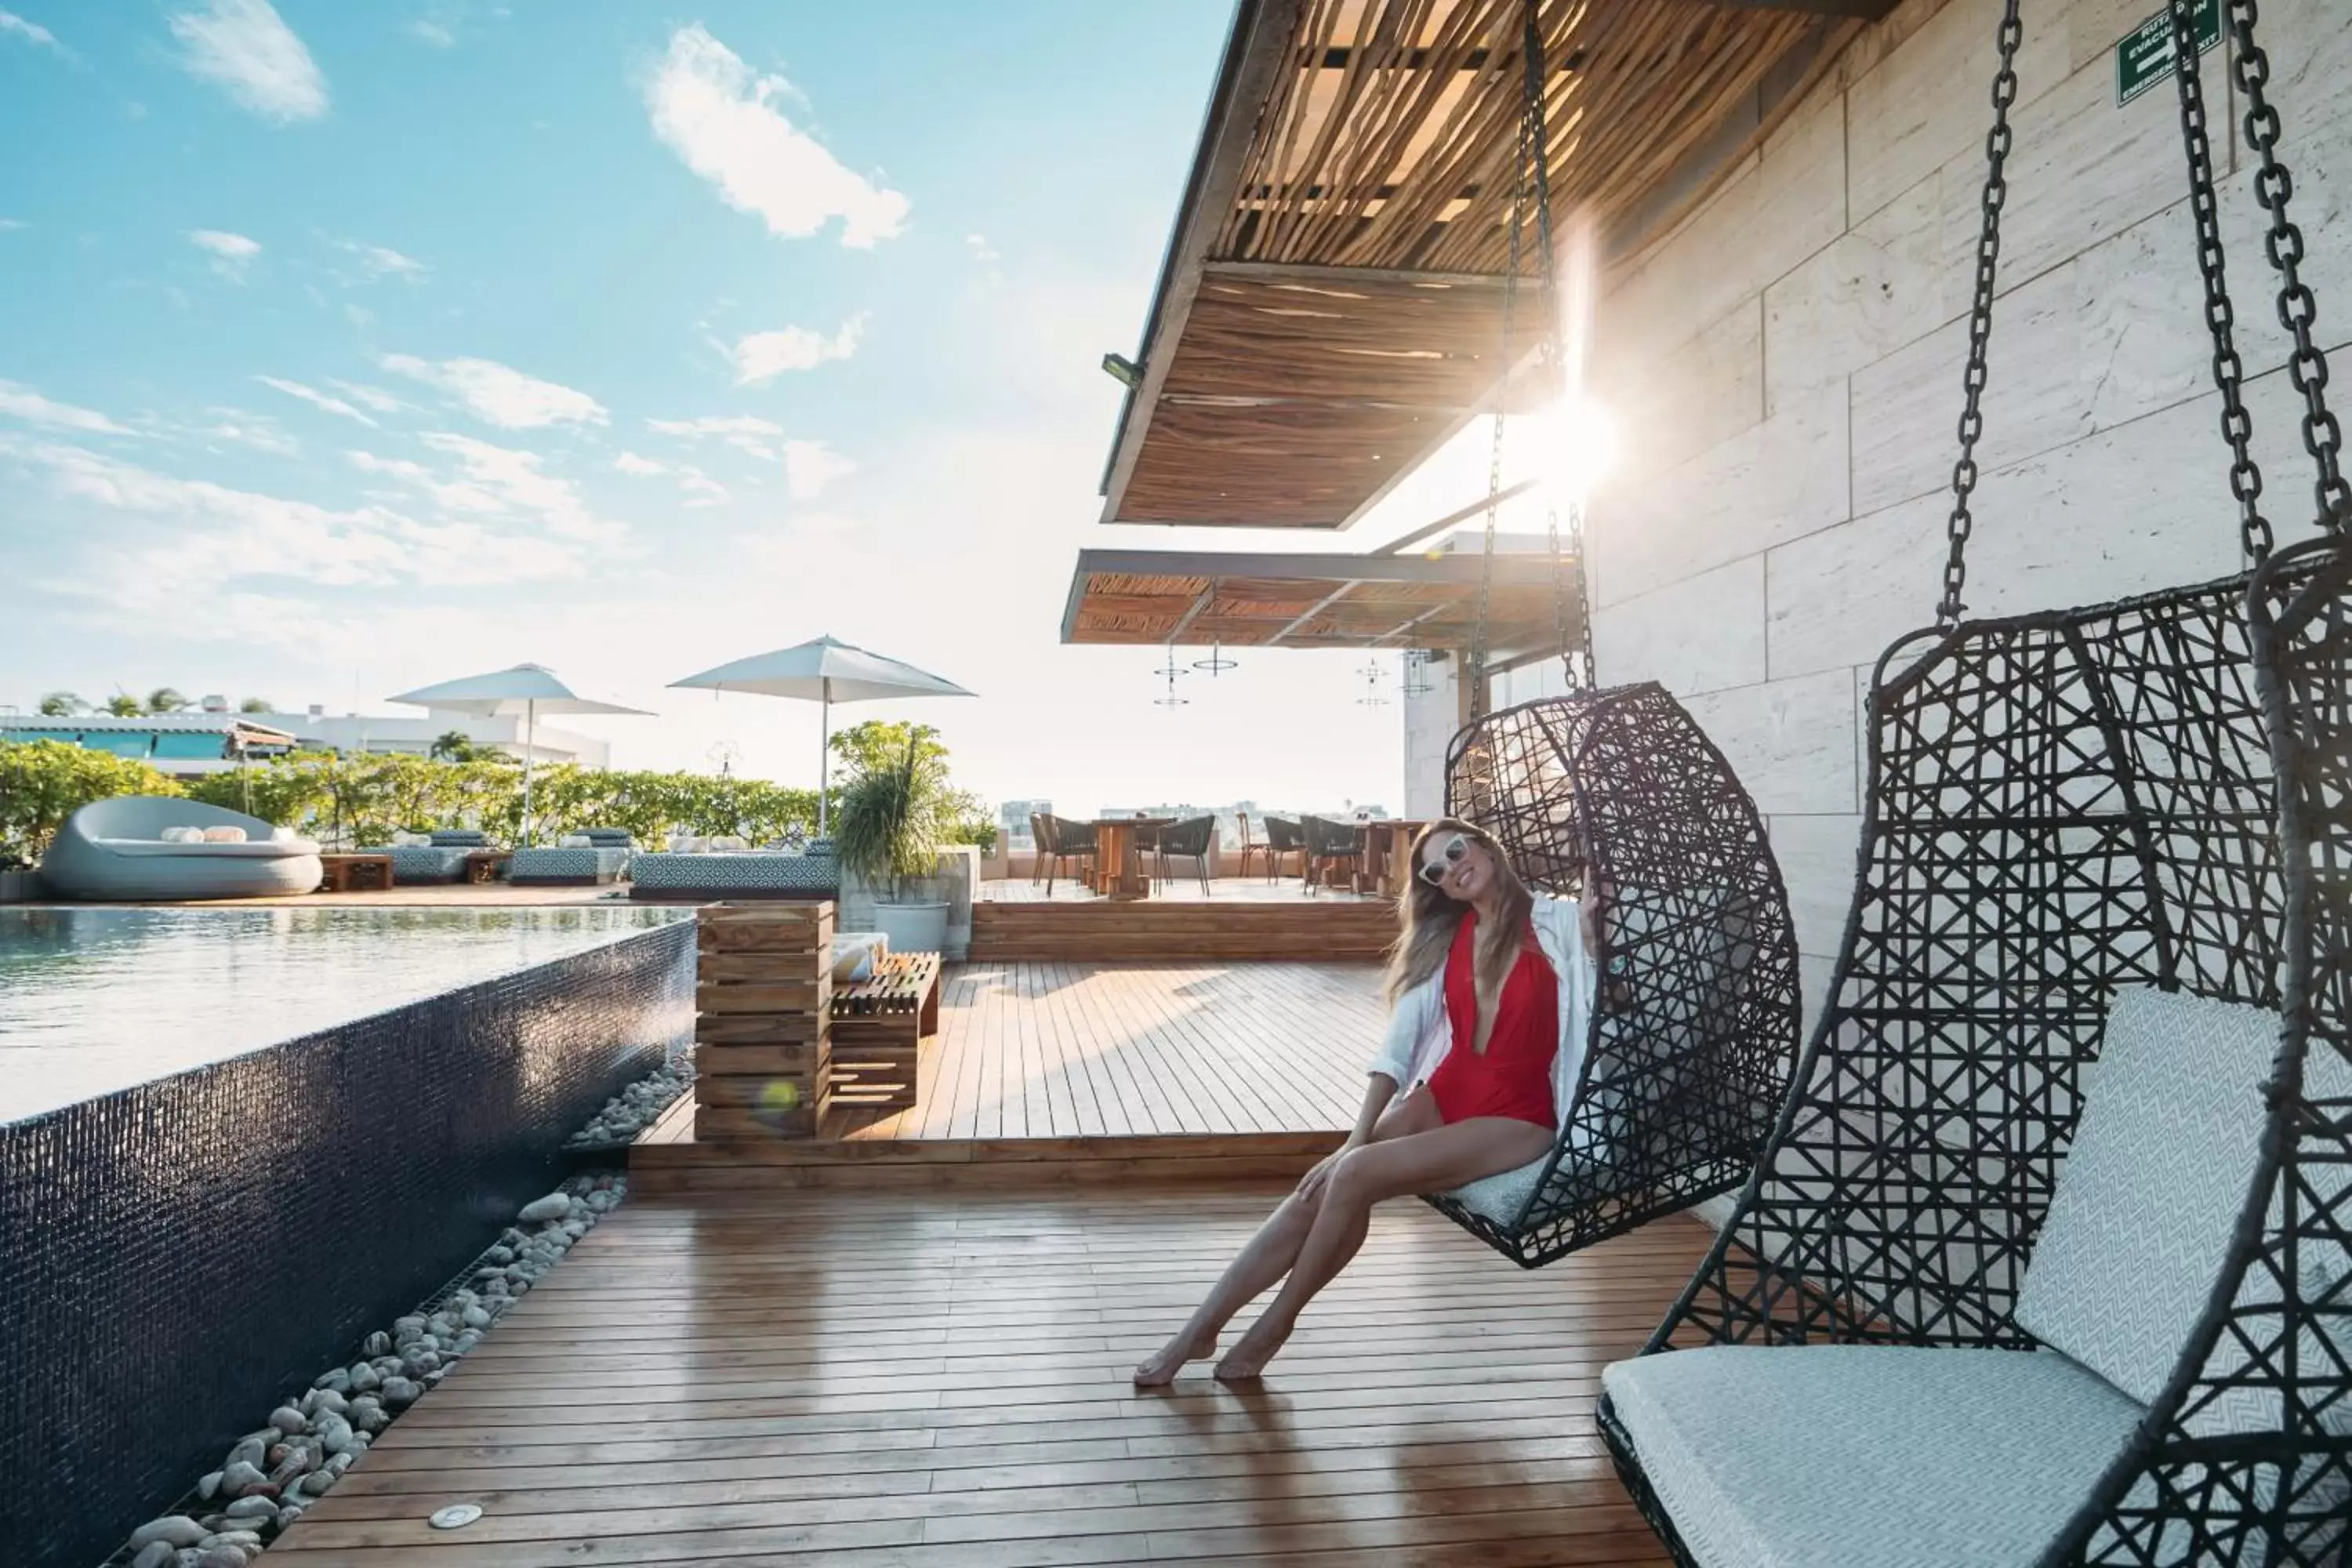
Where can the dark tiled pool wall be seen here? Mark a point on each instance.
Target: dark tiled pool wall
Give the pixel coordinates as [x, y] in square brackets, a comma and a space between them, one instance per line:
[174, 1257]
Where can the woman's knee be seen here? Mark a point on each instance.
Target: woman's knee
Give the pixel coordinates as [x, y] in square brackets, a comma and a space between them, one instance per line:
[1351, 1179]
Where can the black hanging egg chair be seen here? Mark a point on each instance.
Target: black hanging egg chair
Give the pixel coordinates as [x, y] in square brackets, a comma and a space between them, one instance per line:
[2050, 1259]
[1693, 1026]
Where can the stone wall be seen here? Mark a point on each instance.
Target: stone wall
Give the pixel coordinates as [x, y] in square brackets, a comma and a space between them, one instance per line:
[1784, 368]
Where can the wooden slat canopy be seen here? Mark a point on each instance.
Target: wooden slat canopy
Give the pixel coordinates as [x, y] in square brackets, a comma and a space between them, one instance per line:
[1331, 306]
[1145, 598]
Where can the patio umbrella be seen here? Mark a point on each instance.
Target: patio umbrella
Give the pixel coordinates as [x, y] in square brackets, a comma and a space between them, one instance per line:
[824, 672]
[529, 690]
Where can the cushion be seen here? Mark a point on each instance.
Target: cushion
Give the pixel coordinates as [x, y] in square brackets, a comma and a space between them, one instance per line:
[854, 954]
[575, 841]
[182, 836]
[1867, 1455]
[224, 835]
[459, 839]
[2138, 1227]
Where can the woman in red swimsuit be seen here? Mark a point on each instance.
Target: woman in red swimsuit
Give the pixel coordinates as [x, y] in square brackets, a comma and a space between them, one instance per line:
[1473, 1038]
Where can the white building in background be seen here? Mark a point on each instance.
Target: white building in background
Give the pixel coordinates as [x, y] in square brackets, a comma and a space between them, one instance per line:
[414, 734]
[183, 745]
[1013, 819]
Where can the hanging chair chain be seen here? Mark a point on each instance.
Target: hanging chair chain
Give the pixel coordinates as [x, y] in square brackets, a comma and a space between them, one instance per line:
[1575, 656]
[1477, 672]
[2274, 186]
[1996, 191]
[2220, 314]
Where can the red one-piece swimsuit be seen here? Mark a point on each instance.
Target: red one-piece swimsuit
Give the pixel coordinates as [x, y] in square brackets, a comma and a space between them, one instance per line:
[1513, 1076]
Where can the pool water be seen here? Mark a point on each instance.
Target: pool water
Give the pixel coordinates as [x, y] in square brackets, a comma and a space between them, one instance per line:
[92, 1000]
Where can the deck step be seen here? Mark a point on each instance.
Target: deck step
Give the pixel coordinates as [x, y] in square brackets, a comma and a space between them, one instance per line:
[1333, 929]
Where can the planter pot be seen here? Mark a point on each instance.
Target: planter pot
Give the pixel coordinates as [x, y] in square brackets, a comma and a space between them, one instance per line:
[913, 928]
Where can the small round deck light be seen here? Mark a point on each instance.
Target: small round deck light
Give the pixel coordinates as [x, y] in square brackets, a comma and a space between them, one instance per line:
[457, 1516]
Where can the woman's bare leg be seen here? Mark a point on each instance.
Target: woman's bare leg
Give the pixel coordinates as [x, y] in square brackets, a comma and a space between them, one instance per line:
[1423, 1161]
[1270, 1253]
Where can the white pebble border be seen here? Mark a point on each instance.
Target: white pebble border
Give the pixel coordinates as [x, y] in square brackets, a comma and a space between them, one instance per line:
[635, 1108]
[275, 1471]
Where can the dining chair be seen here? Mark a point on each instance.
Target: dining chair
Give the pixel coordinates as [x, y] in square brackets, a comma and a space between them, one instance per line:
[1250, 846]
[1188, 840]
[1332, 846]
[1283, 841]
[1072, 841]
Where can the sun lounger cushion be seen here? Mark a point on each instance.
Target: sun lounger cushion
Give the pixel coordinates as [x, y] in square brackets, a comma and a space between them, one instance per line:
[459, 839]
[1867, 1455]
[2139, 1227]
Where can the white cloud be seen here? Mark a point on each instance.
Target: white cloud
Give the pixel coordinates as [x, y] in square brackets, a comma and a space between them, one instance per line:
[982, 252]
[247, 48]
[811, 466]
[240, 427]
[716, 425]
[231, 253]
[517, 484]
[32, 33]
[378, 261]
[499, 396]
[700, 488]
[373, 397]
[312, 396]
[19, 402]
[431, 33]
[722, 120]
[8, 223]
[764, 356]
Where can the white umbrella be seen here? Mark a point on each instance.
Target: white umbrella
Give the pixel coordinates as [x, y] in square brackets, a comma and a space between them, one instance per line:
[529, 690]
[824, 672]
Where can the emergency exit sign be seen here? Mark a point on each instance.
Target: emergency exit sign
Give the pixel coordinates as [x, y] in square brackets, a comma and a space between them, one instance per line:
[2144, 58]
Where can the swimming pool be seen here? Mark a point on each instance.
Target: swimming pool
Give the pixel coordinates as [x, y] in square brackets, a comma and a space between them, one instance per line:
[92, 1000]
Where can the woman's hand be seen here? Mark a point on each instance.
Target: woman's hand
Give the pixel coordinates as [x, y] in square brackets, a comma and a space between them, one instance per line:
[1312, 1181]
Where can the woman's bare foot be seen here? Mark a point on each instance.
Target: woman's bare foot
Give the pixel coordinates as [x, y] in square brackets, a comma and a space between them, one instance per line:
[1161, 1369]
[1246, 1362]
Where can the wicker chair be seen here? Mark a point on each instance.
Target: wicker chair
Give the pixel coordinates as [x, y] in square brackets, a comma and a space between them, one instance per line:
[1329, 847]
[1067, 841]
[1038, 838]
[1193, 839]
[1283, 841]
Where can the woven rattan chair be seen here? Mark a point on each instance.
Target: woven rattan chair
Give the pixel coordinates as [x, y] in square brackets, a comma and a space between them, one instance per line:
[1193, 839]
[1070, 841]
[1283, 841]
[1330, 848]
[1038, 839]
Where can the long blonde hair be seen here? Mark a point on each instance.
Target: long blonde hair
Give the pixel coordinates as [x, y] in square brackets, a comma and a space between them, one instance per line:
[1429, 919]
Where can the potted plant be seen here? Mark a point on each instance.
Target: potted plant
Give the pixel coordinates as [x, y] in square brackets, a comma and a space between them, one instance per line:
[892, 829]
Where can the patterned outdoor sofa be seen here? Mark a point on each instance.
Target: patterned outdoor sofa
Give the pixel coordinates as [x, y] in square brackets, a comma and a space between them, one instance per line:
[587, 858]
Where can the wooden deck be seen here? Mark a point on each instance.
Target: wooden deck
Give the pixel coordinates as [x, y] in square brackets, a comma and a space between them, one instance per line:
[1176, 890]
[940, 1380]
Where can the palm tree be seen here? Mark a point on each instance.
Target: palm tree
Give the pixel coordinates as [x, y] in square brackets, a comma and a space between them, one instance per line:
[58, 704]
[166, 699]
[256, 705]
[454, 746]
[122, 705]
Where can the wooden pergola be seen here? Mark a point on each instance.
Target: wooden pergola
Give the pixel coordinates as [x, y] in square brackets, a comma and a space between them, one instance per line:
[1331, 309]
[1150, 597]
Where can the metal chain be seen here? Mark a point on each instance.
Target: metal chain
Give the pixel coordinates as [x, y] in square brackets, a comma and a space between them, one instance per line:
[1575, 656]
[1995, 192]
[1478, 671]
[2220, 315]
[2322, 436]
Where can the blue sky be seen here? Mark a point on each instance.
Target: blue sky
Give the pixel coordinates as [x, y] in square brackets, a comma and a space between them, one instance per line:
[346, 348]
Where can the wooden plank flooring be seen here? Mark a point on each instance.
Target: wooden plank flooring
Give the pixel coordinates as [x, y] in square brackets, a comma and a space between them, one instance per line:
[940, 1380]
[1177, 889]
[1091, 1050]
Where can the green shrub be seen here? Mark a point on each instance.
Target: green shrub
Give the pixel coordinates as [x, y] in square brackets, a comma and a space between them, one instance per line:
[43, 783]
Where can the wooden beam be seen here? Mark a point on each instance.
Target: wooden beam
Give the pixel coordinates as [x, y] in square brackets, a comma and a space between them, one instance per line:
[1859, 10]
[1316, 277]
[1325, 603]
[1255, 56]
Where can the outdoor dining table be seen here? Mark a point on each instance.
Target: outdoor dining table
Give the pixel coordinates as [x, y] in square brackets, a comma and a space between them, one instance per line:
[1119, 857]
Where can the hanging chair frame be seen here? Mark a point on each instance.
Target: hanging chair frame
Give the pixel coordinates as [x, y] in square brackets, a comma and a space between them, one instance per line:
[1693, 1027]
[2152, 791]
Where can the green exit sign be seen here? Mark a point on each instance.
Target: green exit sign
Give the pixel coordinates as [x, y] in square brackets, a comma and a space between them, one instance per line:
[2144, 58]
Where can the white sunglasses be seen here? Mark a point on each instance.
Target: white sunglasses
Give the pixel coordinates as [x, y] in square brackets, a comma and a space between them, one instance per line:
[1434, 872]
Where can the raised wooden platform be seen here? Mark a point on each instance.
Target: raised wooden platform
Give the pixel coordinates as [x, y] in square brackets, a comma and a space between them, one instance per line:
[1176, 931]
[1086, 1072]
[940, 1380]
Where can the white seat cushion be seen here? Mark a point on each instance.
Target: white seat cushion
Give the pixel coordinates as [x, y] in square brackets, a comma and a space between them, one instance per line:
[2139, 1225]
[1868, 1457]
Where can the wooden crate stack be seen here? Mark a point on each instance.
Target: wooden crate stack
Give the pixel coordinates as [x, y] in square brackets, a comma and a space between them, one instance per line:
[763, 1001]
[878, 1028]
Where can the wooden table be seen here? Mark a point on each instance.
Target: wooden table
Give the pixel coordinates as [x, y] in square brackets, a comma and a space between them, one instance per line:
[1118, 859]
[1388, 855]
[355, 873]
[485, 865]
